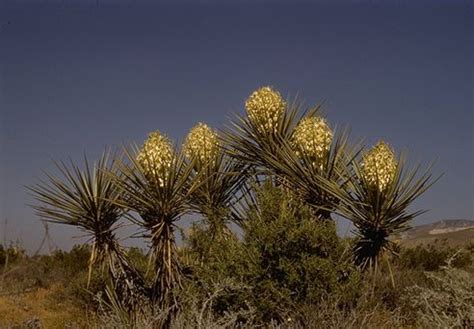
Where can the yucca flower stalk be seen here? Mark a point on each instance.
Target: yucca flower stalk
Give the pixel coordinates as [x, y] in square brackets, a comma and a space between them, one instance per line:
[376, 200]
[202, 145]
[312, 138]
[265, 108]
[155, 158]
[219, 179]
[155, 183]
[379, 167]
[87, 199]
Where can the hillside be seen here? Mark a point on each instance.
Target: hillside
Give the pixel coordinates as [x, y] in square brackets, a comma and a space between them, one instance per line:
[454, 232]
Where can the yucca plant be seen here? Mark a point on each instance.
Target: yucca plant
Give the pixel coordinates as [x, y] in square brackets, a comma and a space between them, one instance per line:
[219, 177]
[315, 153]
[256, 137]
[88, 199]
[154, 180]
[376, 198]
[294, 146]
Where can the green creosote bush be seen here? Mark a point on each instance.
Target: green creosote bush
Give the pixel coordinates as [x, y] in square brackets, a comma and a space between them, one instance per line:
[433, 256]
[286, 257]
[138, 259]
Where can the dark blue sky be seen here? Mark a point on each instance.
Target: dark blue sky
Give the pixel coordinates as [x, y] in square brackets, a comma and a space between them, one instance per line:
[76, 77]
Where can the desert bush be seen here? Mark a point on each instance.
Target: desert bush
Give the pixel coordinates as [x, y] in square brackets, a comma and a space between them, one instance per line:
[448, 301]
[13, 253]
[364, 314]
[66, 271]
[70, 262]
[419, 299]
[433, 256]
[138, 259]
[196, 312]
[287, 257]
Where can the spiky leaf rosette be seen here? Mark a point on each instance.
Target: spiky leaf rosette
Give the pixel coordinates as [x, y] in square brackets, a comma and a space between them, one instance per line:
[274, 153]
[264, 107]
[303, 172]
[88, 199]
[159, 196]
[376, 198]
[202, 144]
[313, 137]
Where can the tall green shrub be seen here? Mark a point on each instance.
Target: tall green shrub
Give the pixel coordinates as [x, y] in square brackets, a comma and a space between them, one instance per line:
[286, 258]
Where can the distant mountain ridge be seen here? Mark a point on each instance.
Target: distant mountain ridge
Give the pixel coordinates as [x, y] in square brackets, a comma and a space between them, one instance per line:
[442, 225]
[454, 231]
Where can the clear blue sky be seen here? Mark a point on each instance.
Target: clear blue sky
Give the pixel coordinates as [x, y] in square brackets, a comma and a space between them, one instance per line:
[76, 77]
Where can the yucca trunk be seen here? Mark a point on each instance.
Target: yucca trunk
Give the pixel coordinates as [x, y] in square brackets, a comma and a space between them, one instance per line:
[369, 245]
[166, 268]
[128, 282]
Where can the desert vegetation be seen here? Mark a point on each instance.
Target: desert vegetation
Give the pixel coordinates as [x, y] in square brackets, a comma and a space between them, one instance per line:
[263, 250]
[50, 291]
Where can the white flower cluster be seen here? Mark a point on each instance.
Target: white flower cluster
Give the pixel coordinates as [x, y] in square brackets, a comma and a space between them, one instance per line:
[156, 157]
[313, 137]
[202, 143]
[379, 166]
[264, 108]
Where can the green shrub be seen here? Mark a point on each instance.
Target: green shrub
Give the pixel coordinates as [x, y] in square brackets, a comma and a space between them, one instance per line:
[66, 270]
[13, 253]
[138, 258]
[433, 256]
[286, 257]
